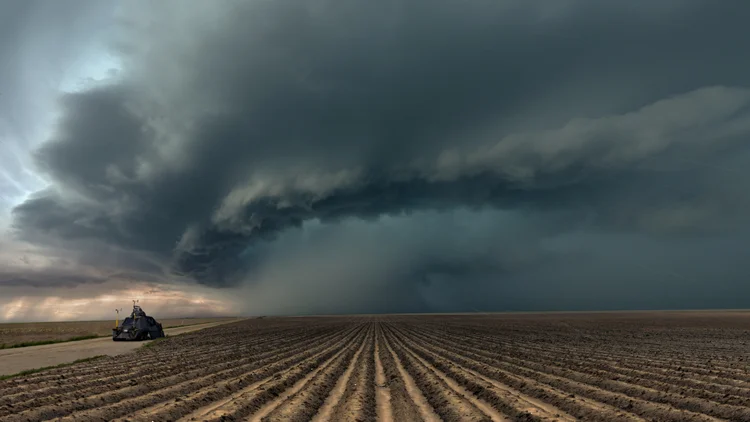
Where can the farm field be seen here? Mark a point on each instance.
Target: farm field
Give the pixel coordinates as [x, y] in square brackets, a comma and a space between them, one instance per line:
[29, 332]
[671, 366]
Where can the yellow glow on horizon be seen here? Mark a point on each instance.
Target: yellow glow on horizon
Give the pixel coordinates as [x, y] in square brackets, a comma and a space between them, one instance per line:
[165, 302]
[12, 309]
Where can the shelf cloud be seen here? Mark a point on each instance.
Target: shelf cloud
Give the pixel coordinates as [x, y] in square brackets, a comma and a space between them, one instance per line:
[398, 156]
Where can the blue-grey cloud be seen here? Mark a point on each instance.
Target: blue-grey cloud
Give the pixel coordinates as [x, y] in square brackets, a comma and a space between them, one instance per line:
[234, 124]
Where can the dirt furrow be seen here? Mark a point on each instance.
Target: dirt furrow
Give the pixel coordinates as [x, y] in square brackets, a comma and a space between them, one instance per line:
[565, 380]
[145, 373]
[449, 402]
[172, 407]
[253, 400]
[705, 384]
[358, 400]
[383, 410]
[665, 383]
[305, 403]
[652, 356]
[636, 356]
[223, 409]
[140, 395]
[577, 406]
[426, 412]
[504, 398]
[396, 403]
[636, 388]
[65, 384]
[337, 393]
[708, 386]
[641, 358]
[713, 383]
[65, 377]
[247, 374]
[459, 383]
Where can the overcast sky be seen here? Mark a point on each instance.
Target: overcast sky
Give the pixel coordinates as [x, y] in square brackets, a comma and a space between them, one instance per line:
[286, 157]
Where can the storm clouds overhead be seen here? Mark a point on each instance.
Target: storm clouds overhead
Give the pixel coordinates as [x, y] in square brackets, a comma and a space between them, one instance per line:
[276, 157]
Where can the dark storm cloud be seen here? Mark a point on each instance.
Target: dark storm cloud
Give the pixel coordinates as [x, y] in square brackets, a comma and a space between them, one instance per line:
[41, 44]
[236, 122]
[46, 279]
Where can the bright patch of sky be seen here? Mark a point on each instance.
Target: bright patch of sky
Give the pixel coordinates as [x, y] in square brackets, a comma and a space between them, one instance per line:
[18, 179]
[93, 68]
[46, 49]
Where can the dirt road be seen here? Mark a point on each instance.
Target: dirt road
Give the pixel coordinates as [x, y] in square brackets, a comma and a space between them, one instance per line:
[13, 361]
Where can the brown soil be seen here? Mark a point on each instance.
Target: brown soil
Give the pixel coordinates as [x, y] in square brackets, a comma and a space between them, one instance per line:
[503, 367]
[383, 409]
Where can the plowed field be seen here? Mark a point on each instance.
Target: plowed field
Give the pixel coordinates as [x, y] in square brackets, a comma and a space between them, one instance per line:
[551, 367]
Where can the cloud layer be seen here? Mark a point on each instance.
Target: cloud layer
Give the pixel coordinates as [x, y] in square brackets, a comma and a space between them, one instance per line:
[282, 147]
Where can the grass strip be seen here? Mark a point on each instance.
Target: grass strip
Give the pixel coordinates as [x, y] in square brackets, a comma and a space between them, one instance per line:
[153, 343]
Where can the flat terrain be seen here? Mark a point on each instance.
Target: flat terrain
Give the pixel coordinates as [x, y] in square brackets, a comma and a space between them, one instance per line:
[26, 332]
[526, 367]
[13, 361]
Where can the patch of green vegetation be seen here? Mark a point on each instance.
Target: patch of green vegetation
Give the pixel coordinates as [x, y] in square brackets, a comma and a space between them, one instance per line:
[42, 342]
[62, 365]
[153, 343]
[188, 325]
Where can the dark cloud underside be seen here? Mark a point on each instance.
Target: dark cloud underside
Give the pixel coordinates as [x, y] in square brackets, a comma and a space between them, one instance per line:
[237, 123]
